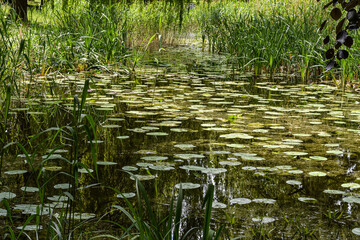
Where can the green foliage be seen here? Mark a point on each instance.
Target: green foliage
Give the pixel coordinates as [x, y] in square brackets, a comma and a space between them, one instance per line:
[150, 226]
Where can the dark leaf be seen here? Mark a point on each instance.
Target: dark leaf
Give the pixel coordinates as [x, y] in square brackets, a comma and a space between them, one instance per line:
[326, 40]
[335, 14]
[338, 45]
[340, 26]
[352, 26]
[348, 41]
[342, 54]
[335, 2]
[323, 25]
[332, 64]
[352, 15]
[330, 53]
[352, 4]
[341, 36]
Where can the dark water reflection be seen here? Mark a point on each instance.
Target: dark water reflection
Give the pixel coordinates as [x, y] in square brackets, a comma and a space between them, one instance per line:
[193, 105]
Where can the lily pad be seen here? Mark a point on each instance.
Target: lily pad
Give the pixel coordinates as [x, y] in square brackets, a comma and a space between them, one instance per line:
[103, 163]
[157, 134]
[29, 189]
[7, 195]
[351, 199]
[318, 158]
[350, 185]
[63, 186]
[154, 158]
[356, 231]
[293, 182]
[143, 177]
[264, 200]
[187, 185]
[240, 201]
[216, 205]
[126, 195]
[161, 168]
[296, 153]
[307, 199]
[15, 172]
[237, 135]
[330, 191]
[213, 170]
[317, 174]
[189, 156]
[129, 168]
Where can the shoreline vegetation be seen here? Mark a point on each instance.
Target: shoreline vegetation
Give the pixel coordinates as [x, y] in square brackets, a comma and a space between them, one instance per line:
[265, 38]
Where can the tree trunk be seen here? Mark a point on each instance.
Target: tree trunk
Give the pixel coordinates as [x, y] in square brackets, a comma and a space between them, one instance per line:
[20, 7]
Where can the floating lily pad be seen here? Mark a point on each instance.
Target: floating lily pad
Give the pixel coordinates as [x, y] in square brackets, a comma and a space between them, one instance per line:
[192, 168]
[317, 174]
[293, 182]
[295, 171]
[264, 200]
[237, 135]
[235, 145]
[57, 198]
[29, 189]
[296, 153]
[335, 152]
[249, 168]
[53, 168]
[144, 165]
[351, 199]
[129, 168]
[154, 158]
[318, 158]
[187, 185]
[84, 170]
[30, 227]
[7, 195]
[122, 137]
[185, 146]
[189, 156]
[356, 231]
[216, 205]
[63, 186]
[330, 191]
[103, 163]
[240, 201]
[126, 195]
[161, 168]
[229, 163]
[157, 134]
[15, 172]
[3, 212]
[111, 126]
[307, 199]
[143, 177]
[213, 170]
[350, 185]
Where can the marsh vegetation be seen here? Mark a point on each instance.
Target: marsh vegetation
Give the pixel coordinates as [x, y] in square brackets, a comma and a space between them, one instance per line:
[176, 120]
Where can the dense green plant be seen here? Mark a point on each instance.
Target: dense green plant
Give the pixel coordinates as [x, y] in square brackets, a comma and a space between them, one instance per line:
[145, 224]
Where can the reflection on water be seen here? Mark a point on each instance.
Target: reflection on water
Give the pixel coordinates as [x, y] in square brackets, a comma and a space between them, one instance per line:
[270, 147]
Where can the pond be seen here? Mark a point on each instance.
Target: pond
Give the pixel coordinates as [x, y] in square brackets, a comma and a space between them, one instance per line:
[281, 154]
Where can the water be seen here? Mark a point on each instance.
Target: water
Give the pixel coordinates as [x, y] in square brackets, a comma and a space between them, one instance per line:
[272, 148]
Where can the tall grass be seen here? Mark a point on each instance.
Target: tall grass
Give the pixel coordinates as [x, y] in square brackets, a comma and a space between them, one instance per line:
[269, 37]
